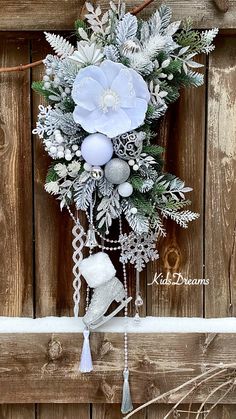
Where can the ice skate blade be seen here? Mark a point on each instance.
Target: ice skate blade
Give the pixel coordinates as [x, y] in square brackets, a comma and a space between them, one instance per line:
[105, 319]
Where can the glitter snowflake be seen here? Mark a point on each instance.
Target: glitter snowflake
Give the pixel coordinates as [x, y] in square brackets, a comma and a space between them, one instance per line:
[138, 249]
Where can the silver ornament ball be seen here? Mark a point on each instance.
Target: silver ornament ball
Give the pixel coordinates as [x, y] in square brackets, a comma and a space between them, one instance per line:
[117, 171]
[96, 172]
[128, 146]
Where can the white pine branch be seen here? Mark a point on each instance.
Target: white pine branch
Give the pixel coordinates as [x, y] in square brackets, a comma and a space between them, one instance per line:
[180, 217]
[61, 46]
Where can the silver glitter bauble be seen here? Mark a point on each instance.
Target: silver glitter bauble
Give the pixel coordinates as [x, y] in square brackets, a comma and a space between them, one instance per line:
[129, 145]
[96, 172]
[117, 171]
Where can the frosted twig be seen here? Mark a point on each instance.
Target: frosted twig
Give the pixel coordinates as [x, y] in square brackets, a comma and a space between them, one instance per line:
[211, 394]
[139, 8]
[221, 398]
[20, 67]
[194, 388]
[222, 367]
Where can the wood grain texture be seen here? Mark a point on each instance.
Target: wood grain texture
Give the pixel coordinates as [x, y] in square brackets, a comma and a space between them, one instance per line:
[182, 133]
[17, 411]
[222, 5]
[16, 218]
[63, 411]
[112, 411]
[16, 248]
[224, 412]
[220, 412]
[38, 15]
[220, 222]
[35, 374]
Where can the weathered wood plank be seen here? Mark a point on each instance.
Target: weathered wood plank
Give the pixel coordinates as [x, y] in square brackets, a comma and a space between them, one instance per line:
[37, 15]
[17, 411]
[220, 412]
[16, 248]
[220, 222]
[63, 411]
[44, 368]
[112, 411]
[224, 412]
[182, 133]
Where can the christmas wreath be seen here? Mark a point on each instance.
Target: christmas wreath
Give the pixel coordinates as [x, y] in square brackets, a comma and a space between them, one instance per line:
[104, 95]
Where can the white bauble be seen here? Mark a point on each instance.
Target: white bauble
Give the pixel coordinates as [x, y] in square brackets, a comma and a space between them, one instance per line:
[60, 154]
[68, 157]
[53, 149]
[117, 171]
[97, 149]
[125, 189]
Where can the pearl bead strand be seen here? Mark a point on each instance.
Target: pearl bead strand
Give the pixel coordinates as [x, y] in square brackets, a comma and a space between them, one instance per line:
[125, 309]
[100, 235]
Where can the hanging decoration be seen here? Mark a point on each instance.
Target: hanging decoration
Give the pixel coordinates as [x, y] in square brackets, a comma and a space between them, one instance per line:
[104, 95]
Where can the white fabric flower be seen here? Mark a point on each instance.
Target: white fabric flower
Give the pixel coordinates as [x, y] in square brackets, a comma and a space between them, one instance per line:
[73, 168]
[87, 53]
[60, 169]
[52, 187]
[111, 99]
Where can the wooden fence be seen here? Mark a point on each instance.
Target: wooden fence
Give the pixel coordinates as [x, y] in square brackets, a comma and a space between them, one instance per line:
[199, 133]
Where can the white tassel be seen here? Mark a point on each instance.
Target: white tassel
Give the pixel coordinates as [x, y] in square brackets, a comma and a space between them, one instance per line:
[126, 405]
[86, 364]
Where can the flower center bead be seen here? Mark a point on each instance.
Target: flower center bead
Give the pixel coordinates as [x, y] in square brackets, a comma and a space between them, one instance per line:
[109, 100]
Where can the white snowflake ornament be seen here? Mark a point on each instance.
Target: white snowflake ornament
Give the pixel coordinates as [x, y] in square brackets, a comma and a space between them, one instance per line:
[138, 249]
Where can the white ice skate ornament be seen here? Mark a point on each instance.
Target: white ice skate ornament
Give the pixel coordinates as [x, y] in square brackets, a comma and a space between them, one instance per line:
[99, 273]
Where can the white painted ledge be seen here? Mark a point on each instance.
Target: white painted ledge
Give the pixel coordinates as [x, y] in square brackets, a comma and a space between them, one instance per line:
[119, 324]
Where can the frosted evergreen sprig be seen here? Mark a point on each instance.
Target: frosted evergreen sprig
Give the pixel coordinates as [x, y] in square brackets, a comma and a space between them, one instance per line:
[108, 209]
[83, 191]
[180, 217]
[61, 46]
[137, 221]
